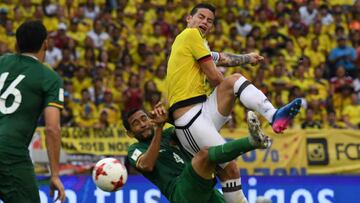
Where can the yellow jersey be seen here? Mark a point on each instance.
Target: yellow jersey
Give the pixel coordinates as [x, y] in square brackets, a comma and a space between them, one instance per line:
[185, 81]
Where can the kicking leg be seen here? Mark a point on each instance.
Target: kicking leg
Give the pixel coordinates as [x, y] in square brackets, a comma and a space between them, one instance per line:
[237, 86]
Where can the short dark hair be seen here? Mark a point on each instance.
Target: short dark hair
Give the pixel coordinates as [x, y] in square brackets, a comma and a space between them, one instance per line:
[203, 5]
[126, 116]
[30, 36]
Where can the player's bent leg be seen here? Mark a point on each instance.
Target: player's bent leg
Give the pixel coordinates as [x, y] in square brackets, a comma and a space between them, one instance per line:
[225, 94]
[202, 166]
[198, 128]
[285, 115]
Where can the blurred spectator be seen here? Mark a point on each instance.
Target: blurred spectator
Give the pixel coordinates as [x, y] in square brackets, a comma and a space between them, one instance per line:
[275, 37]
[264, 9]
[117, 90]
[81, 80]
[103, 121]
[325, 16]
[314, 53]
[318, 109]
[355, 23]
[343, 55]
[111, 109]
[242, 26]
[53, 54]
[308, 12]
[291, 54]
[351, 113]
[103, 61]
[74, 50]
[297, 27]
[342, 98]
[74, 32]
[49, 8]
[60, 37]
[85, 112]
[91, 10]
[164, 27]
[309, 122]
[321, 84]
[97, 90]
[98, 35]
[159, 80]
[332, 121]
[9, 35]
[66, 66]
[88, 60]
[151, 95]
[3, 48]
[3, 15]
[74, 96]
[339, 80]
[133, 94]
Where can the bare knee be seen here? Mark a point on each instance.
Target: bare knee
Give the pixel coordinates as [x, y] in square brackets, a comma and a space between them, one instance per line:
[202, 166]
[230, 81]
[202, 155]
[231, 171]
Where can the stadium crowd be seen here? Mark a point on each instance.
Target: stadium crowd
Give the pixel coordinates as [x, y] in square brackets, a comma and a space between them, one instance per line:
[112, 54]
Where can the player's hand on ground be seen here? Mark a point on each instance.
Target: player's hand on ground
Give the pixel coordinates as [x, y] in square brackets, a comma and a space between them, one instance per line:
[159, 114]
[255, 58]
[56, 184]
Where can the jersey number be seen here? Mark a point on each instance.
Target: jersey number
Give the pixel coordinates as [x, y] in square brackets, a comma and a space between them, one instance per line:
[11, 90]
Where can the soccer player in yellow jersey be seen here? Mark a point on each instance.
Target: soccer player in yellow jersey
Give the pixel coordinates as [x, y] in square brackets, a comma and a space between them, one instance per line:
[198, 117]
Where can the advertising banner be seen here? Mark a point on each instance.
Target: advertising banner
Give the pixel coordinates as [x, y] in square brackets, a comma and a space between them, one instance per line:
[284, 189]
[300, 152]
[110, 141]
[296, 152]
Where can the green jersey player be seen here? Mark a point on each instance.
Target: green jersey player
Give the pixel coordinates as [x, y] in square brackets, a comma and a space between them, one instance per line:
[159, 157]
[28, 88]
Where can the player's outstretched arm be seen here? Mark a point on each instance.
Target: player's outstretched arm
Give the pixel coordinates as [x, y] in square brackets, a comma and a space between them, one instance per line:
[53, 143]
[229, 59]
[146, 162]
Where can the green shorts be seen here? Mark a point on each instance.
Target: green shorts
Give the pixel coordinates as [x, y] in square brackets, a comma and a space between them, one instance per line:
[18, 183]
[190, 187]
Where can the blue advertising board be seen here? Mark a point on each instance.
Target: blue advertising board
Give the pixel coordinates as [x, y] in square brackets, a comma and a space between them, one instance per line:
[280, 189]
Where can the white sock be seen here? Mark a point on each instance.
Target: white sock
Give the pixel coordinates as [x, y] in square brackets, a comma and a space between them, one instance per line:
[232, 191]
[254, 99]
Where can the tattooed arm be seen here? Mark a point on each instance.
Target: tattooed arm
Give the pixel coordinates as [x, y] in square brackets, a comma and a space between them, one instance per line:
[229, 60]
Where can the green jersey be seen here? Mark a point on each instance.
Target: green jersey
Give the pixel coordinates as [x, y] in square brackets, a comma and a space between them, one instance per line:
[26, 88]
[169, 164]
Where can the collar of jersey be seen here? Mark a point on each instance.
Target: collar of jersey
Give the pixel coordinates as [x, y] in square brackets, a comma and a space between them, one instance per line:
[30, 55]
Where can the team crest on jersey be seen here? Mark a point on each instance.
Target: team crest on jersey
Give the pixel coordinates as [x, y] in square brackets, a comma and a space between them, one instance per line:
[135, 155]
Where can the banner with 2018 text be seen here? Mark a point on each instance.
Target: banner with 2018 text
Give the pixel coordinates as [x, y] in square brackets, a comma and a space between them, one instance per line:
[296, 152]
[110, 141]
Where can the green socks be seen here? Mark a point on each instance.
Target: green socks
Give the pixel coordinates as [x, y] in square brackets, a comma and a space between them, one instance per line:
[230, 150]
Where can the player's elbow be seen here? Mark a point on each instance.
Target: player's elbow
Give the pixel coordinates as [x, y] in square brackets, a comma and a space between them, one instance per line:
[215, 81]
[147, 167]
[52, 130]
